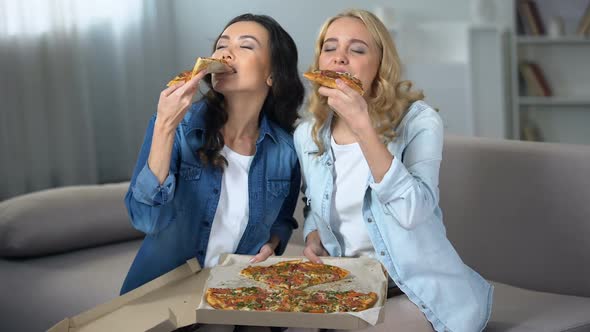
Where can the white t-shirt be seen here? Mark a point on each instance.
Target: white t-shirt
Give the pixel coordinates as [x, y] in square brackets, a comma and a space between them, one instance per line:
[352, 173]
[231, 216]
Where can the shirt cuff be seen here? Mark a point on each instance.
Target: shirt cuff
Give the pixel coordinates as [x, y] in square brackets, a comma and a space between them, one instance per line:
[148, 189]
[395, 183]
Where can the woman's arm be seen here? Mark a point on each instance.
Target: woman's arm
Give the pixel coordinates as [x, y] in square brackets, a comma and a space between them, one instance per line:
[408, 190]
[153, 181]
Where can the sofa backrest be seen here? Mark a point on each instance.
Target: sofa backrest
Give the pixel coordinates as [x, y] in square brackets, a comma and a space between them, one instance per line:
[519, 212]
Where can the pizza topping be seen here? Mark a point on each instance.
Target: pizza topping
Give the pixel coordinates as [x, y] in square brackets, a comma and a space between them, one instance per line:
[328, 78]
[214, 65]
[287, 280]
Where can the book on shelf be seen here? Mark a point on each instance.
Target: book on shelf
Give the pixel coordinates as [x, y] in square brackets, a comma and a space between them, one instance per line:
[534, 79]
[584, 25]
[530, 18]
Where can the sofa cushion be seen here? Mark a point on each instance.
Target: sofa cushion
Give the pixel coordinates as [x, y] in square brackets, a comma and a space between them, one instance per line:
[520, 310]
[39, 292]
[63, 219]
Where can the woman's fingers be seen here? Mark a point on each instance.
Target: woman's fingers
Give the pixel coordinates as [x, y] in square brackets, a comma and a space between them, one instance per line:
[191, 86]
[169, 90]
[311, 255]
[265, 252]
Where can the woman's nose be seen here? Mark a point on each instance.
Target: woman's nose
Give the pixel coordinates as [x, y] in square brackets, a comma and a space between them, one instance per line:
[340, 60]
[226, 56]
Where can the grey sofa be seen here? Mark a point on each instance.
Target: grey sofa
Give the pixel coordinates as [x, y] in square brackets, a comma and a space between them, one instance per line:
[517, 212]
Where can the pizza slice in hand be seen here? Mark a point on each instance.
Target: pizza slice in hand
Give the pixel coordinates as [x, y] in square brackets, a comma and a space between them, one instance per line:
[328, 79]
[213, 65]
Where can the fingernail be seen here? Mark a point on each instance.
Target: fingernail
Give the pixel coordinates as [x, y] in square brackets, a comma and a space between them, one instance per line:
[253, 260]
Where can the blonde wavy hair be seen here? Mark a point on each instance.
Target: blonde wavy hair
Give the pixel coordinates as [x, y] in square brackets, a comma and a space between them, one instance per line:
[389, 97]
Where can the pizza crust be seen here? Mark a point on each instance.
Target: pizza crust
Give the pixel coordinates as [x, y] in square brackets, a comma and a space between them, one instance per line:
[328, 78]
[213, 65]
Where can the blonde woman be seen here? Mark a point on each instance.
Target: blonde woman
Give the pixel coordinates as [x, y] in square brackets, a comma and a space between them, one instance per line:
[370, 166]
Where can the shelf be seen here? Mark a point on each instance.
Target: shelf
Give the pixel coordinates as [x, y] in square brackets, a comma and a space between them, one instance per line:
[544, 40]
[554, 101]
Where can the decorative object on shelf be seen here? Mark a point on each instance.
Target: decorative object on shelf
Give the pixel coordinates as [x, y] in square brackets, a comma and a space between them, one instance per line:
[483, 12]
[529, 18]
[531, 132]
[555, 27]
[584, 25]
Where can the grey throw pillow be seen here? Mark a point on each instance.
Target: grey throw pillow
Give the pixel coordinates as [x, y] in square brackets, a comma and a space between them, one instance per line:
[63, 219]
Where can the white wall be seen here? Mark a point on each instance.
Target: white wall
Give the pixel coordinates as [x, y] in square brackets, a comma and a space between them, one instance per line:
[199, 22]
[431, 36]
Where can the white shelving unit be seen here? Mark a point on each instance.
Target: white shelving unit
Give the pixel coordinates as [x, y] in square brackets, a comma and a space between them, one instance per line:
[565, 61]
[461, 67]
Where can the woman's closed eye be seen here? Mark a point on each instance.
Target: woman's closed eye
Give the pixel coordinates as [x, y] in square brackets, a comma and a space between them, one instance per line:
[219, 47]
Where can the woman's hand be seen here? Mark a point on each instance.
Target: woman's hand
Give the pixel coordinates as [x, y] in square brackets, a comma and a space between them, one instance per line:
[175, 101]
[266, 250]
[314, 248]
[349, 105]
[172, 107]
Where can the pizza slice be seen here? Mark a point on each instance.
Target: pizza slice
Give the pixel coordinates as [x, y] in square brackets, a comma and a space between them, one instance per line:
[331, 301]
[308, 274]
[278, 275]
[247, 299]
[213, 65]
[328, 78]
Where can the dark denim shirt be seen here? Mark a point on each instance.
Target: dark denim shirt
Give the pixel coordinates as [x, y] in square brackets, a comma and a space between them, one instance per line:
[177, 215]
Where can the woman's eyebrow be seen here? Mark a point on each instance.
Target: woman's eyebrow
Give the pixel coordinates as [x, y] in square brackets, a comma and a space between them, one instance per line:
[226, 37]
[352, 41]
[250, 37]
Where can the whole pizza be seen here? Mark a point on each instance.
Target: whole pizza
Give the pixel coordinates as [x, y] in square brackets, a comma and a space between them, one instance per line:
[286, 290]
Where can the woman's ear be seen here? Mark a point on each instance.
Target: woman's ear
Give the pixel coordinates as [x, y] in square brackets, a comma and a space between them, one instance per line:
[269, 80]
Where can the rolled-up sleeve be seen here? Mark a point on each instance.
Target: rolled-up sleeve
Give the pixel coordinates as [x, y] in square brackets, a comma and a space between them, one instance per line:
[409, 190]
[148, 201]
[148, 190]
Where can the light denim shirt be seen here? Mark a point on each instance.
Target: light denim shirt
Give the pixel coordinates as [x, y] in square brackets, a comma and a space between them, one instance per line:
[403, 220]
[177, 215]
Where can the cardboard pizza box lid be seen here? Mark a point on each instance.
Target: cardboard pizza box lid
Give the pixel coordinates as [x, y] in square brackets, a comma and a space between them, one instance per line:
[162, 304]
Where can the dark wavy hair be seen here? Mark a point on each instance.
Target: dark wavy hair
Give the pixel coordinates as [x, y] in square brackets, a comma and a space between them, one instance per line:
[282, 102]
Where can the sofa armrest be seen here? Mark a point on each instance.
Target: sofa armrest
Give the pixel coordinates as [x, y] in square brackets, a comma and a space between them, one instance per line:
[63, 219]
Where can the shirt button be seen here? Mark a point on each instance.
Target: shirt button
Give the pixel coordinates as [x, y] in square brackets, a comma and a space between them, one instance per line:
[370, 220]
[423, 306]
[200, 252]
[326, 196]
[215, 191]
[383, 253]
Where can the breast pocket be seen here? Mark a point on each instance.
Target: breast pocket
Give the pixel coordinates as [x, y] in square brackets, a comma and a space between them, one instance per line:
[278, 188]
[190, 173]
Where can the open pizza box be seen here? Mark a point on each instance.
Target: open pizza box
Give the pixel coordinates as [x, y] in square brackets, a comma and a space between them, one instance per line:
[176, 299]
